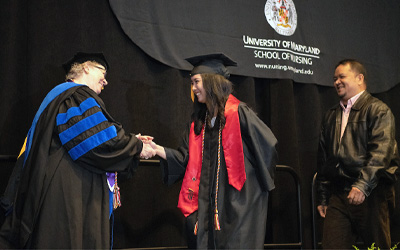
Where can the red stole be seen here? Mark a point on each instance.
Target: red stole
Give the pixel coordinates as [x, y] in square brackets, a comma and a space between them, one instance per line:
[234, 159]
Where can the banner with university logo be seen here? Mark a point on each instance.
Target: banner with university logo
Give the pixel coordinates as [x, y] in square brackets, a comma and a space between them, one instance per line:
[299, 40]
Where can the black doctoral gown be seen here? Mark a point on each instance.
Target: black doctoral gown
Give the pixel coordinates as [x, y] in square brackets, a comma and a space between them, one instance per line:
[61, 202]
[242, 214]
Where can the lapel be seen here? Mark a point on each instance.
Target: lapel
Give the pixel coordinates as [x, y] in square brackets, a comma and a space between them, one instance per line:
[338, 125]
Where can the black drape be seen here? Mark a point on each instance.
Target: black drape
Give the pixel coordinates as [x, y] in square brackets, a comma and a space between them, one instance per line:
[151, 98]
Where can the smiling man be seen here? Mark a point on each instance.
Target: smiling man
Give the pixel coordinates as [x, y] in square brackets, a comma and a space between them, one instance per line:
[63, 189]
[357, 164]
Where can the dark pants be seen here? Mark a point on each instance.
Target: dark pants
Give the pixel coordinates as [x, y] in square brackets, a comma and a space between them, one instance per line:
[369, 222]
[191, 238]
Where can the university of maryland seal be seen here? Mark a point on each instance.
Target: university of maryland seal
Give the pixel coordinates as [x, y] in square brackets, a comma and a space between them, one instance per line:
[282, 16]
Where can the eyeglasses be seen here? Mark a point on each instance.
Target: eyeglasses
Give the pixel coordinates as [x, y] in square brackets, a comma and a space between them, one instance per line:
[103, 70]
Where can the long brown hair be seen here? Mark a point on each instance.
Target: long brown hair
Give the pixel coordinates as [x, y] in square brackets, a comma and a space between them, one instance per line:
[217, 89]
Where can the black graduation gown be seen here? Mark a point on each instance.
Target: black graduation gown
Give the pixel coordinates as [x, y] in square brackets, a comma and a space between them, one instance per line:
[242, 214]
[61, 202]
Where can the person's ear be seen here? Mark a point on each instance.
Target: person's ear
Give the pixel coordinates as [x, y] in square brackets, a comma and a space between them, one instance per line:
[360, 79]
[86, 68]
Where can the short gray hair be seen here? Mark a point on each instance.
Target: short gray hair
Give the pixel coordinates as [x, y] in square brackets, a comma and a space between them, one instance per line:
[77, 70]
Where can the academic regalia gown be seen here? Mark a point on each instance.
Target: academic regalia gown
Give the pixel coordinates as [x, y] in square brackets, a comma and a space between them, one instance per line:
[62, 198]
[242, 214]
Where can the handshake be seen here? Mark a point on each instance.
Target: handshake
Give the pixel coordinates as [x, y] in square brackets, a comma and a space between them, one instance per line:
[149, 147]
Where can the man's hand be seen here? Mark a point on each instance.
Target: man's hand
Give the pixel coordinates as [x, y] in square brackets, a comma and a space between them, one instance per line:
[322, 210]
[144, 138]
[356, 197]
[147, 151]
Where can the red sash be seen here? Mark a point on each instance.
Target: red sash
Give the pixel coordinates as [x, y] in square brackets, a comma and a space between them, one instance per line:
[234, 159]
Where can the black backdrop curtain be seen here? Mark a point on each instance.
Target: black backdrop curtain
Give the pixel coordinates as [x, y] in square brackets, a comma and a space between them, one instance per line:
[150, 98]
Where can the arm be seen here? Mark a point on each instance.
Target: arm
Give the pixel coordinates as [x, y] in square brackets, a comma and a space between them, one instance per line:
[380, 150]
[160, 151]
[322, 183]
[92, 137]
[261, 143]
[174, 162]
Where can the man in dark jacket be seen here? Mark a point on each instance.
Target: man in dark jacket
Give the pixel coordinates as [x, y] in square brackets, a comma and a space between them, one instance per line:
[357, 164]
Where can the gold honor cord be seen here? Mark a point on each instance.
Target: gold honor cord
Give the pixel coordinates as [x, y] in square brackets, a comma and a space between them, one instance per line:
[116, 194]
[217, 226]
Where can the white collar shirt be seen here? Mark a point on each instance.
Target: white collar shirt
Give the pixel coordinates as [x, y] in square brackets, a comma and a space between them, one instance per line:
[346, 111]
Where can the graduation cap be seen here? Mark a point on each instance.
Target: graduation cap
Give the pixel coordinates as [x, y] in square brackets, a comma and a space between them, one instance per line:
[82, 57]
[211, 63]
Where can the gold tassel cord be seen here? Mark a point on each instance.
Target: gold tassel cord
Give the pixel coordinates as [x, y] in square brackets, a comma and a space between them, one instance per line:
[217, 226]
[196, 227]
[117, 195]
